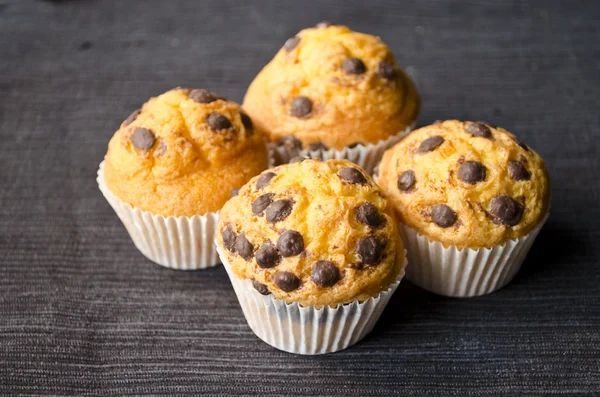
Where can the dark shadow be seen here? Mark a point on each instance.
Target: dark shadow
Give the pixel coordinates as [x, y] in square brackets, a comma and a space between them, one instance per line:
[86, 45]
[555, 250]
[410, 306]
[407, 304]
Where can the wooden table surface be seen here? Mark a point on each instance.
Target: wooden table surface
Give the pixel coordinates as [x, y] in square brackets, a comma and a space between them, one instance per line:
[82, 312]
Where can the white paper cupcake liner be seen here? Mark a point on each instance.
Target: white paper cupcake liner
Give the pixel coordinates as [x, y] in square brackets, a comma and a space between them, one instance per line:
[463, 272]
[175, 242]
[365, 156]
[306, 330]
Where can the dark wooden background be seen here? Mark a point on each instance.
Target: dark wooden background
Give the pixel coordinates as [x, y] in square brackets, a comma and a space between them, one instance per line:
[82, 312]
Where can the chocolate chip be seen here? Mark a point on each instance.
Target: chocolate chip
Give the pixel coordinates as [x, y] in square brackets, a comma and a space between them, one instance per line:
[290, 243]
[479, 130]
[369, 215]
[406, 180]
[260, 287]
[261, 203]
[286, 281]
[301, 106]
[353, 145]
[229, 239]
[487, 124]
[506, 210]
[291, 43]
[235, 192]
[246, 121]
[430, 144]
[369, 249]
[289, 142]
[317, 146]
[523, 159]
[131, 118]
[265, 179]
[353, 66]
[298, 159]
[352, 175]
[142, 138]
[267, 255]
[244, 247]
[521, 143]
[443, 216]
[278, 210]
[323, 24]
[202, 96]
[217, 121]
[471, 172]
[325, 274]
[386, 70]
[517, 171]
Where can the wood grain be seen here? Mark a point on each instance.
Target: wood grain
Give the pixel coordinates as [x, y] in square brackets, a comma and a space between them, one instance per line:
[82, 312]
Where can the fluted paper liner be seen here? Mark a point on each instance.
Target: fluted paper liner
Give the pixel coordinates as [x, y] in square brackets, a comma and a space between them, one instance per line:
[463, 272]
[176, 242]
[365, 156]
[307, 330]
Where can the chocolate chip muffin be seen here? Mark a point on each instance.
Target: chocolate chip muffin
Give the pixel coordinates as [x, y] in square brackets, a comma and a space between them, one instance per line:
[183, 152]
[472, 198]
[319, 233]
[330, 87]
[467, 184]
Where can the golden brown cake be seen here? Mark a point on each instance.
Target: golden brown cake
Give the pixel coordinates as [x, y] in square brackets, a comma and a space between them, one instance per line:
[330, 87]
[467, 184]
[313, 232]
[183, 152]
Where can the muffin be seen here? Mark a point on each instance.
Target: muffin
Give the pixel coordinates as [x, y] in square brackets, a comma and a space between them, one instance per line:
[333, 93]
[471, 198]
[172, 165]
[313, 252]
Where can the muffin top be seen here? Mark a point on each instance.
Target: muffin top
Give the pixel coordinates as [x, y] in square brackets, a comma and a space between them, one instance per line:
[331, 86]
[183, 152]
[318, 233]
[467, 184]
